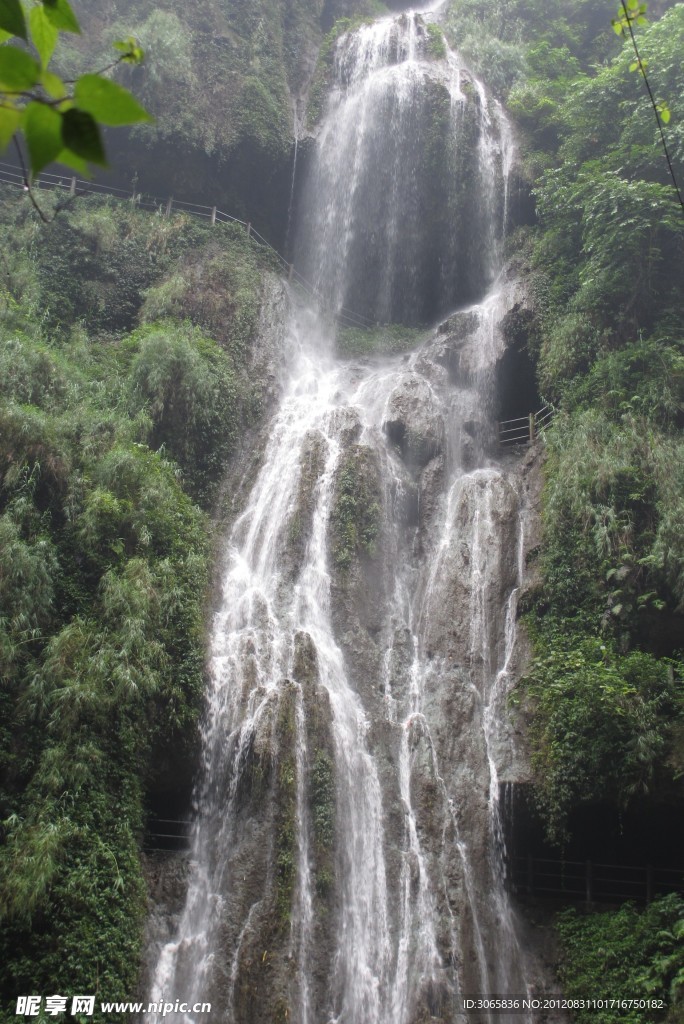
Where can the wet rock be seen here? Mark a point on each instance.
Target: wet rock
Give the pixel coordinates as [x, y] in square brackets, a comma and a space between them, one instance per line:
[478, 565]
[430, 487]
[413, 420]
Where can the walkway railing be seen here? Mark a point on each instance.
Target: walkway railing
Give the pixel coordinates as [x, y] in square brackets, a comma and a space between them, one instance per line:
[524, 429]
[11, 174]
[171, 835]
[591, 882]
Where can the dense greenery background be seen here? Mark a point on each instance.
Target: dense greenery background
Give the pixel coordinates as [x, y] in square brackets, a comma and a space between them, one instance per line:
[118, 410]
[123, 345]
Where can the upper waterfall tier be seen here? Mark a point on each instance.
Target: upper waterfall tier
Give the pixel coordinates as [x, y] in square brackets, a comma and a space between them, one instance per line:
[407, 186]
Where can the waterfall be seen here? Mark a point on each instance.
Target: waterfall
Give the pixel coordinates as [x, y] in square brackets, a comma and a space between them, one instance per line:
[346, 863]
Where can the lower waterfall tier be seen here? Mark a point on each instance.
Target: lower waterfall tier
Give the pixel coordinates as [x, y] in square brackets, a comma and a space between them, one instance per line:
[347, 856]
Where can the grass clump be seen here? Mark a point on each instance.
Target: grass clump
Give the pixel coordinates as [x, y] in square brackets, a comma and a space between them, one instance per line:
[389, 339]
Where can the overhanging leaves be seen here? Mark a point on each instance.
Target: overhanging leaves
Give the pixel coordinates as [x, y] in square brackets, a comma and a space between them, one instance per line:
[82, 135]
[43, 130]
[59, 12]
[12, 18]
[18, 71]
[107, 101]
[43, 33]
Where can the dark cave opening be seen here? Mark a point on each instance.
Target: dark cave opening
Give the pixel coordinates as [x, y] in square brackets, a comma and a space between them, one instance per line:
[516, 393]
[613, 854]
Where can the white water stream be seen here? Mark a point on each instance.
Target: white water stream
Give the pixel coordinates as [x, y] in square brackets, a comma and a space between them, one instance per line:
[404, 910]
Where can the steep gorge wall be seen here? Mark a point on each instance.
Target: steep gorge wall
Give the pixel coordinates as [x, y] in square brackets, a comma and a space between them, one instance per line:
[223, 79]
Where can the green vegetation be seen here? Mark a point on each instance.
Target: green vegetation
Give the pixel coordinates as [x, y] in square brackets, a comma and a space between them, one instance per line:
[357, 509]
[123, 388]
[322, 801]
[389, 339]
[240, 59]
[603, 722]
[436, 42]
[320, 81]
[629, 953]
[607, 268]
[60, 120]
[502, 43]
[604, 694]
[323, 798]
[109, 439]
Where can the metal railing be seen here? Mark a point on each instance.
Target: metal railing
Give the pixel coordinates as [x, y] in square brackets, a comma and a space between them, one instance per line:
[11, 174]
[590, 882]
[171, 835]
[524, 429]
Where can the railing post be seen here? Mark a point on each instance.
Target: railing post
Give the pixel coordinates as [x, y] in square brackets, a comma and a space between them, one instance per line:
[589, 887]
[532, 426]
[649, 883]
[290, 272]
[72, 187]
[249, 228]
[169, 206]
[213, 215]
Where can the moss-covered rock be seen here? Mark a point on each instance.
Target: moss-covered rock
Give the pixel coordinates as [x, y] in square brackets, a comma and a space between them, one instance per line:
[357, 509]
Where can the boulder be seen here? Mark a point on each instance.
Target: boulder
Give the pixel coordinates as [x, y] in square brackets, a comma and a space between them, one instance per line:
[413, 420]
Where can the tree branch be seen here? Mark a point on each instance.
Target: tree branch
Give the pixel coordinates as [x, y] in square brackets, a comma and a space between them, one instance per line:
[642, 69]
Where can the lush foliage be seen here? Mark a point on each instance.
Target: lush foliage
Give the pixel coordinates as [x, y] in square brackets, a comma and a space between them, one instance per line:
[108, 438]
[602, 724]
[499, 40]
[59, 120]
[605, 690]
[625, 954]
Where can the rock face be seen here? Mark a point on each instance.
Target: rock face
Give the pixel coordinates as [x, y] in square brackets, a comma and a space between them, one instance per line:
[413, 421]
[224, 82]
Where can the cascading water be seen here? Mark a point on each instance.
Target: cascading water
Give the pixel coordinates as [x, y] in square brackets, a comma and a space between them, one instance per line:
[346, 858]
[389, 227]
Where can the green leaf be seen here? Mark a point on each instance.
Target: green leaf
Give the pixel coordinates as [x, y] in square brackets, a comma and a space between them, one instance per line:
[82, 136]
[18, 71]
[53, 85]
[59, 12]
[4, 36]
[663, 110]
[9, 122]
[131, 49]
[107, 101]
[12, 18]
[70, 159]
[43, 33]
[618, 27]
[43, 130]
